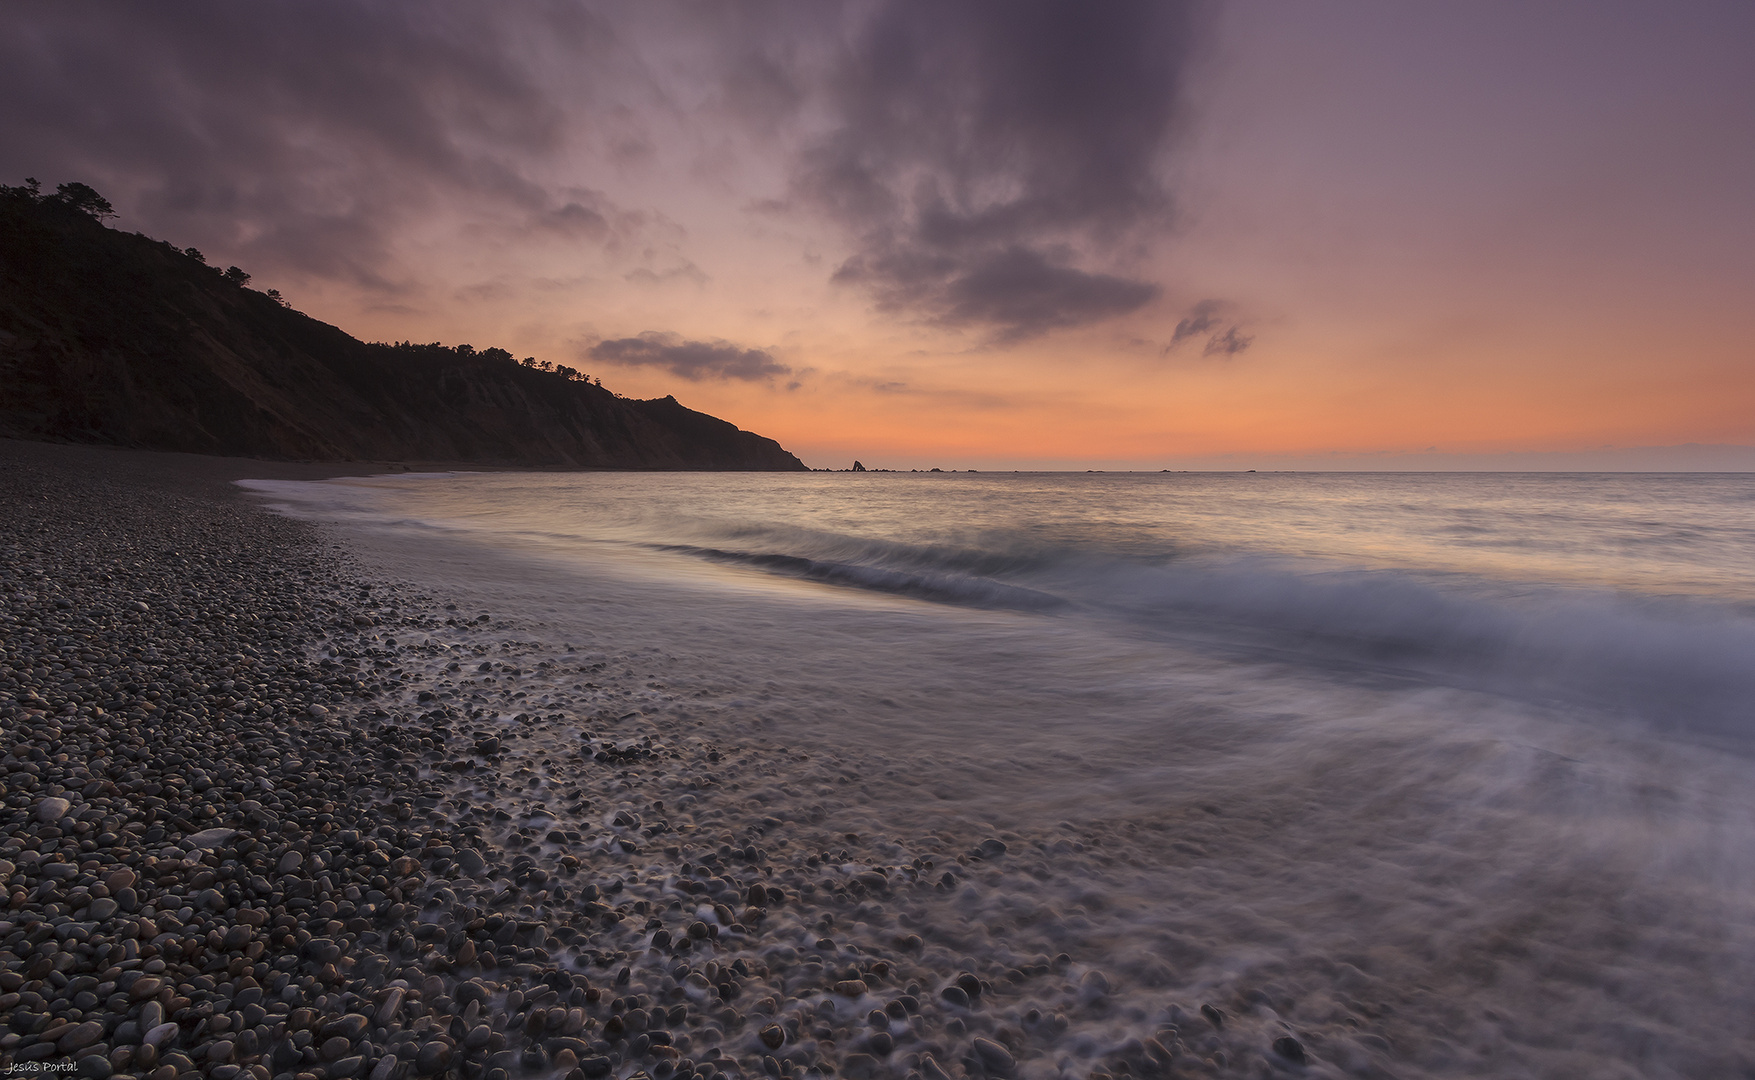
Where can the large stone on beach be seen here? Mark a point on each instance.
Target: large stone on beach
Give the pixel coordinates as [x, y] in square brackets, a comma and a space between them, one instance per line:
[52, 810]
[1289, 1048]
[80, 1035]
[995, 1057]
[350, 1027]
[433, 1058]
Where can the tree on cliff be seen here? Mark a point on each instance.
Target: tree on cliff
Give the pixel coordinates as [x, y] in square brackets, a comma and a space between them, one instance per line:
[79, 197]
[74, 196]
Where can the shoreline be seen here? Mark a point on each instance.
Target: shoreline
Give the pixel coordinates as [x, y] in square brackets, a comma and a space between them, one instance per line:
[281, 850]
[564, 826]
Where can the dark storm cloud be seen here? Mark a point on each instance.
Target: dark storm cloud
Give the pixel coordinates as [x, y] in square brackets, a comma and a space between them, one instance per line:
[694, 360]
[308, 133]
[986, 155]
[996, 164]
[1018, 291]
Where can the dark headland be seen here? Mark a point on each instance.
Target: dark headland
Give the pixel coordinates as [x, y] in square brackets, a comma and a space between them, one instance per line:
[116, 338]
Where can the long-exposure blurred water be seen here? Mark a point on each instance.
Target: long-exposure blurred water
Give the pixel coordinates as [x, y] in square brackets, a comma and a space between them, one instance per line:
[1465, 754]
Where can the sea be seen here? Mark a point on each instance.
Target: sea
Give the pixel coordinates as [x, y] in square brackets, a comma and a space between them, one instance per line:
[1471, 754]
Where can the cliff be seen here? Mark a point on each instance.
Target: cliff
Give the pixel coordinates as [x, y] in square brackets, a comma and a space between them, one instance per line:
[116, 338]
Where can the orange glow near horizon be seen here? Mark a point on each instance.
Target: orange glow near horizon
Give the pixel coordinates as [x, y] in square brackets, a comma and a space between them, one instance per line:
[1307, 236]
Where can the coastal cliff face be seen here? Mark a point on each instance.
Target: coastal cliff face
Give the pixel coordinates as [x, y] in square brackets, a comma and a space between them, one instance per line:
[115, 338]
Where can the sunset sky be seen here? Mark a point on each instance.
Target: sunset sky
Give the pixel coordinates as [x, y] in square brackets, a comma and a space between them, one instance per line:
[1001, 234]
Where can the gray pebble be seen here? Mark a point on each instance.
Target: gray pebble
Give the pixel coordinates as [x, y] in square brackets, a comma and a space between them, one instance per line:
[211, 838]
[52, 810]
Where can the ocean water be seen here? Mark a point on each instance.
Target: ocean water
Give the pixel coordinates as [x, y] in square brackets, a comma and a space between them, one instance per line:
[1450, 773]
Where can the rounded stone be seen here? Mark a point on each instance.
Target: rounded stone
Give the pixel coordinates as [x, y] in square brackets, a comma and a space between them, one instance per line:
[52, 810]
[434, 1057]
[1290, 1049]
[996, 1057]
[210, 838]
[79, 1036]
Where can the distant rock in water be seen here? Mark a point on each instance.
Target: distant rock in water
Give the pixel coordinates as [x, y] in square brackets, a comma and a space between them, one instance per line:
[116, 338]
[857, 467]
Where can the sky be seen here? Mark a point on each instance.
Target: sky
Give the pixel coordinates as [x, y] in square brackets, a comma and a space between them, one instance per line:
[983, 234]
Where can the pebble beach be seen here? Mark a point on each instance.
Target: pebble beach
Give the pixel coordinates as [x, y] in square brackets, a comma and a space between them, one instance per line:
[267, 816]
[307, 801]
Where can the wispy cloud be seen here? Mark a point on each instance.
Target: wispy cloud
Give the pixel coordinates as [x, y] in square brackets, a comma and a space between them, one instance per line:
[694, 360]
[1208, 319]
